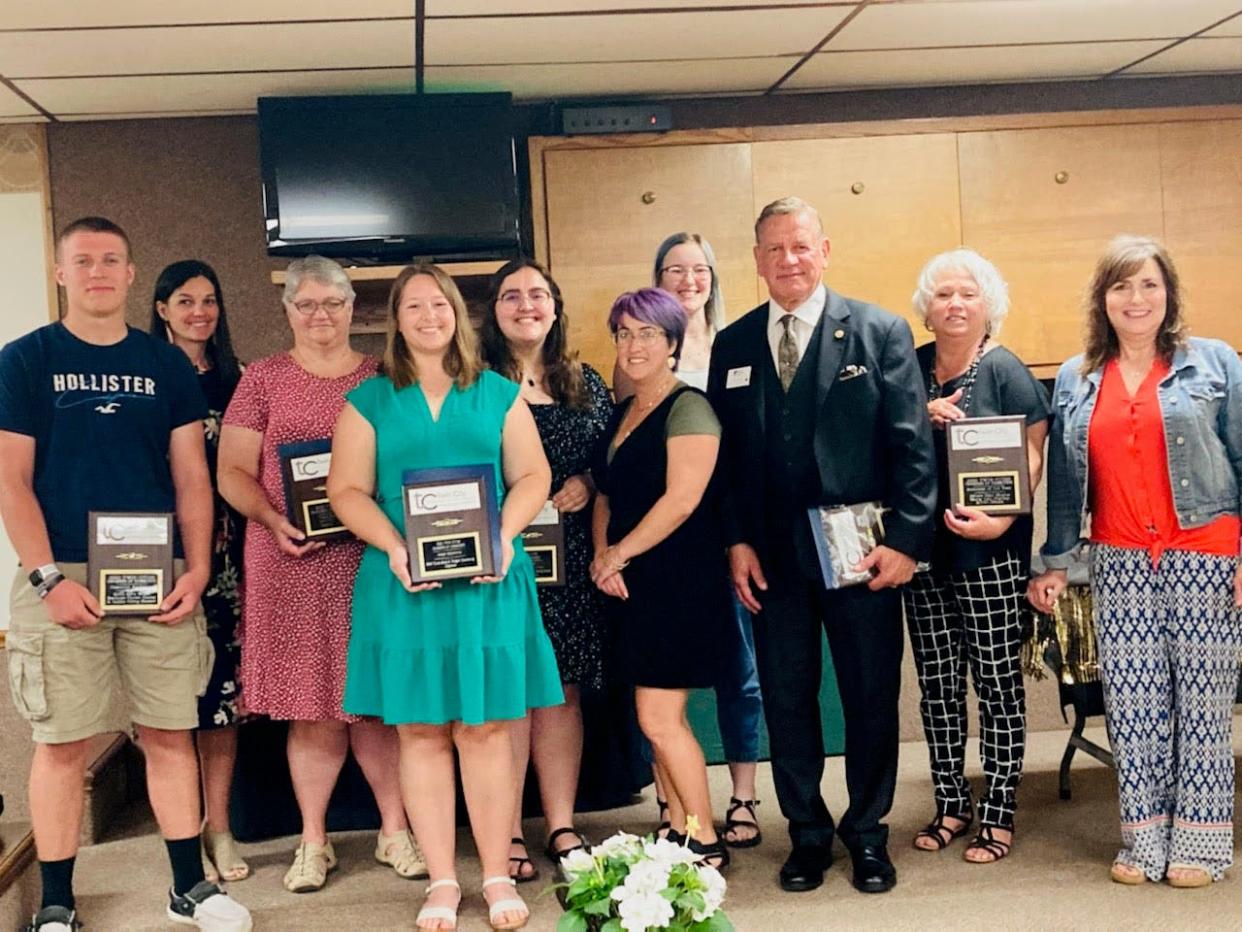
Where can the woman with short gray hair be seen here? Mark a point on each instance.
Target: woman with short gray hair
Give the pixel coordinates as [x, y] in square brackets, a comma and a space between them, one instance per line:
[296, 605]
[964, 612]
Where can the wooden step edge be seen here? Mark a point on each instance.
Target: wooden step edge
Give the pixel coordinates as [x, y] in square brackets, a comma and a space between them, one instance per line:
[16, 859]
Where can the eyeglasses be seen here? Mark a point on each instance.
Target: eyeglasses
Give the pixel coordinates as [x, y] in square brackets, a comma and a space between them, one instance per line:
[307, 307]
[646, 335]
[514, 299]
[679, 271]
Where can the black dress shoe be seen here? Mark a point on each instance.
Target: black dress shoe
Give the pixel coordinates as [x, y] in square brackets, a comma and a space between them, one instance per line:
[873, 871]
[804, 868]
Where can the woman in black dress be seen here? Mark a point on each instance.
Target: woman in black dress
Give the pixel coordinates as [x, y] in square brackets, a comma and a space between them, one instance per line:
[188, 308]
[658, 551]
[524, 339]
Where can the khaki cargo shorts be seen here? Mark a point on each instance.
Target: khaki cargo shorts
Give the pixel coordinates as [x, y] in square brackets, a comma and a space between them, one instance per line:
[70, 683]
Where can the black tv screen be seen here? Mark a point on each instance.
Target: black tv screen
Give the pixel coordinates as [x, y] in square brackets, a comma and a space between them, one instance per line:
[389, 177]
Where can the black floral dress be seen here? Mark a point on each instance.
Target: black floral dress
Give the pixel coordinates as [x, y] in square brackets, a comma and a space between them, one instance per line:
[573, 614]
[217, 707]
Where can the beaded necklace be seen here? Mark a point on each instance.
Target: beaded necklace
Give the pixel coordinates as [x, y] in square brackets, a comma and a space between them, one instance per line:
[966, 384]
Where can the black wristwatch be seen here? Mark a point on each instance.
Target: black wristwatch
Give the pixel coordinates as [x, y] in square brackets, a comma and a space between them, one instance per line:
[45, 578]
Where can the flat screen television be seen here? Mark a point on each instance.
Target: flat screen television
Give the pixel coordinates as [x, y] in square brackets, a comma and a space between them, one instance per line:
[387, 177]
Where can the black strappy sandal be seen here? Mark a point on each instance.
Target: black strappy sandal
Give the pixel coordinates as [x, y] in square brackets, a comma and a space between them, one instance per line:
[665, 825]
[732, 824]
[987, 841]
[940, 834]
[714, 855]
[555, 856]
[521, 876]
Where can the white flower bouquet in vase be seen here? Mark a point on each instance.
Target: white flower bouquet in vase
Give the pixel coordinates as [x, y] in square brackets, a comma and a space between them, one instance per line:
[632, 884]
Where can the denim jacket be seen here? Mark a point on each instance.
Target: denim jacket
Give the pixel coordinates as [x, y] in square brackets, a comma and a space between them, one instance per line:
[1201, 406]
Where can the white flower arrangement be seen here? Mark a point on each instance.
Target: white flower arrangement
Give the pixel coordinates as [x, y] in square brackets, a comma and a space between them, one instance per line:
[632, 884]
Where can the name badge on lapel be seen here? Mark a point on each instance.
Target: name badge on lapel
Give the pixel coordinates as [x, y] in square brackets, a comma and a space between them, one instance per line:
[738, 378]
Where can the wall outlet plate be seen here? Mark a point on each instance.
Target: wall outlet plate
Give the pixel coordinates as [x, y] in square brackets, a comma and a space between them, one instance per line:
[648, 118]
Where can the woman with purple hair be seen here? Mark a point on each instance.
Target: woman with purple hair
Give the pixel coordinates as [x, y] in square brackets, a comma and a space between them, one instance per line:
[658, 551]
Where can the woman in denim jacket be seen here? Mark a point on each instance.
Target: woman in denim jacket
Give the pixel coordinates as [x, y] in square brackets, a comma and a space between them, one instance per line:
[1147, 441]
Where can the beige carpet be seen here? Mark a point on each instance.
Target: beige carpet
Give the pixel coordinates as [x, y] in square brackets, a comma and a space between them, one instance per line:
[1057, 877]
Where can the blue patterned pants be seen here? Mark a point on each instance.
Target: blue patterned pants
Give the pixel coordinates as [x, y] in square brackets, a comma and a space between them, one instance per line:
[1169, 638]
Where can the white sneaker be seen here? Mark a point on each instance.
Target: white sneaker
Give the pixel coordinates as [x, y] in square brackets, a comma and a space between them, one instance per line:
[208, 907]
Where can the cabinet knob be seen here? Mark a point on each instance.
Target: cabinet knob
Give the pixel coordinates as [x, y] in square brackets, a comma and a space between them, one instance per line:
[648, 197]
[858, 187]
[1061, 177]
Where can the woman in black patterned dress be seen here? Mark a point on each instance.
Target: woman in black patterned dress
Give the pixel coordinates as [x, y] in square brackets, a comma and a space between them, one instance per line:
[188, 308]
[524, 339]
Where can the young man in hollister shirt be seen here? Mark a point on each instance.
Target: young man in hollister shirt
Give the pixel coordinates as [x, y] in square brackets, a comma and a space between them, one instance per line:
[97, 416]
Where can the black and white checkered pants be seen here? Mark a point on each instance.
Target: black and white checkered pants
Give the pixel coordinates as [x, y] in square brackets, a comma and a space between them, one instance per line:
[971, 618]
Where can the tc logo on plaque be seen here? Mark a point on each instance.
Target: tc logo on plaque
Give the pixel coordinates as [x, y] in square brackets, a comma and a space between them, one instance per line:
[452, 522]
[304, 468]
[988, 466]
[129, 560]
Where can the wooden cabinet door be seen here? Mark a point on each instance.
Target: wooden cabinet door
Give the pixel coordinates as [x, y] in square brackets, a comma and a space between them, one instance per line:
[889, 203]
[1202, 184]
[608, 210]
[1042, 204]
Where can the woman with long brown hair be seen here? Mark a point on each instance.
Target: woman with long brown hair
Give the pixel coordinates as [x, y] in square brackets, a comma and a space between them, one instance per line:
[1147, 444]
[524, 339]
[450, 663]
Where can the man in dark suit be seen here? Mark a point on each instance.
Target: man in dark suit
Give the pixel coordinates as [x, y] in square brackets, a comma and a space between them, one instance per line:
[822, 403]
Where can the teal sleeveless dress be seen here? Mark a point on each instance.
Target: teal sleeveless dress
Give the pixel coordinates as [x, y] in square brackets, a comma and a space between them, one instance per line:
[461, 653]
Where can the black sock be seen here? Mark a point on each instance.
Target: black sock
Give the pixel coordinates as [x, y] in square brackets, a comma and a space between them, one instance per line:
[57, 883]
[186, 857]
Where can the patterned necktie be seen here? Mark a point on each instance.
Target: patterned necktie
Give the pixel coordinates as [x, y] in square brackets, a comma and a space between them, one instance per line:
[787, 353]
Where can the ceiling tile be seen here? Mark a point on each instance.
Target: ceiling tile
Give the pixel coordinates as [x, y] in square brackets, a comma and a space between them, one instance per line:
[206, 48]
[100, 98]
[983, 22]
[1195, 55]
[541, 82]
[12, 107]
[675, 36]
[839, 70]
[528, 7]
[1231, 28]
[36, 14]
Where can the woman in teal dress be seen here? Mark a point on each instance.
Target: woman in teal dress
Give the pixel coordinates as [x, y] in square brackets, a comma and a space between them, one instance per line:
[448, 663]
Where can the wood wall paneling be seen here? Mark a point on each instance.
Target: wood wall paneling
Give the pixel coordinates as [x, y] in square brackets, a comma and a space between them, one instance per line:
[609, 208]
[1045, 235]
[888, 204]
[1201, 180]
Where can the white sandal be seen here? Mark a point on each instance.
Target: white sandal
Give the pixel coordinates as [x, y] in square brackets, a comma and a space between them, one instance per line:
[512, 904]
[439, 913]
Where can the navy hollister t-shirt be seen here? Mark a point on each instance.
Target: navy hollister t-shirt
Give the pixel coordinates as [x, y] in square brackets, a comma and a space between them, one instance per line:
[101, 417]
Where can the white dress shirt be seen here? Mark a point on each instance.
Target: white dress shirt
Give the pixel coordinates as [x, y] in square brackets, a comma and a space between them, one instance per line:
[806, 316]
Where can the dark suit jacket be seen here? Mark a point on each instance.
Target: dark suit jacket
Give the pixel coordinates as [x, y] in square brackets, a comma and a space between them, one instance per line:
[872, 439]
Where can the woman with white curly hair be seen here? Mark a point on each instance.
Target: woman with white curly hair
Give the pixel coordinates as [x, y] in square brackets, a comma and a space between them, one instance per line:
[964, 611]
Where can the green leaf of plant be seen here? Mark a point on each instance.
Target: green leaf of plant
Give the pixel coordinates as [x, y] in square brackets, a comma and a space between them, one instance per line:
[612, 925]
[600, 907]
[571, 922]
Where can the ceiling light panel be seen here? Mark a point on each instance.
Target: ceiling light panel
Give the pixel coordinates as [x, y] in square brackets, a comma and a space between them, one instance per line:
[1194, 56]
[13, 109]
[38, 14]
[840, 70]
[206, 48]
[437, 8]
[172, 95]
[542, 81]
[630, 37]
[990, 22]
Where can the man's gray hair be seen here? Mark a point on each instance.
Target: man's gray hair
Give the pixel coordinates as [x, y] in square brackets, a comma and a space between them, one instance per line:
[788, 205]
[316, 269]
